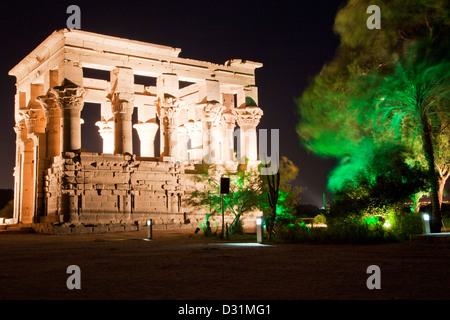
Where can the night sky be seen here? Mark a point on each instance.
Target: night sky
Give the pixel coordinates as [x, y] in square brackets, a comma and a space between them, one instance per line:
[293, 39]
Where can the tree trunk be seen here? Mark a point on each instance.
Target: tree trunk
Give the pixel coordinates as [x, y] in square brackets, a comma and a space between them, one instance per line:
[442, 181]
[436, 219]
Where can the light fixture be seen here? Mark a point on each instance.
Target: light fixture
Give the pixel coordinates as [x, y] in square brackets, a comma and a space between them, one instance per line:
[426, 222]
[259, 230]
[150, 229]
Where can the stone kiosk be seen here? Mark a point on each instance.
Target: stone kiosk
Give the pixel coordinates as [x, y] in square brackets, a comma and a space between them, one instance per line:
[60, 188]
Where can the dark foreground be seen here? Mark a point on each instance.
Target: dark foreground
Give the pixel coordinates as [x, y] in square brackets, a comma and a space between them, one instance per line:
[177, 266]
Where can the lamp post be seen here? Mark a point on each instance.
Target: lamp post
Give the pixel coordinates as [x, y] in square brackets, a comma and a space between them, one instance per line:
[150, 229]
[426, 222]
[224, 189]
[260, 229]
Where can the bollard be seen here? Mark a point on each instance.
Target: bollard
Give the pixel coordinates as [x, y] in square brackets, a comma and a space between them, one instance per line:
[426, 222]
[260, 229]
[150, 229]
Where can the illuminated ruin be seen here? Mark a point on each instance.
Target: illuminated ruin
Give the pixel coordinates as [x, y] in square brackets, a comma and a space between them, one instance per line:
[60, 188]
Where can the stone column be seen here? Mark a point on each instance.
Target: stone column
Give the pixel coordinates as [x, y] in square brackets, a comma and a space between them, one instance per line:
[106, 131]
[167, 108]
[212, 113]
[194, 131]
[147, 132]
[70, 99]
[33, 163]
[122, 105]
[248, 118]
[122, 108]
[52, 115]
[21, 138]
[229, 120]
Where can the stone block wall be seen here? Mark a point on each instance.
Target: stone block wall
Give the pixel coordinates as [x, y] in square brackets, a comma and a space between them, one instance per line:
[91, 188]
[98, 193]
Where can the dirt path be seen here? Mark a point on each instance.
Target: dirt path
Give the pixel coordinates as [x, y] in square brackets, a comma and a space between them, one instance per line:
[175, 265]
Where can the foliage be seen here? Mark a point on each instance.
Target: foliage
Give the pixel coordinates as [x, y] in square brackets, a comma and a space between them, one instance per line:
[244, 196]
[383, 88]
[390, 225]
[273, 193]
[7, 210]
[320, 218]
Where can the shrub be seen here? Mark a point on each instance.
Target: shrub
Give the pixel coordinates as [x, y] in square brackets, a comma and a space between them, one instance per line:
[320, 218]
[292, 232]
[403, 224]
[8, 210]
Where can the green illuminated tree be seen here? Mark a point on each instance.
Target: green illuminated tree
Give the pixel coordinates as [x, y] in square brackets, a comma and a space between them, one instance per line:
[282, 197]
[338, 110]
[273, 182]
[414, 101]
[245, 193]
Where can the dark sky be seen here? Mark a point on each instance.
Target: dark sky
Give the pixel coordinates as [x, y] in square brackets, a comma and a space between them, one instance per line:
[293, 39]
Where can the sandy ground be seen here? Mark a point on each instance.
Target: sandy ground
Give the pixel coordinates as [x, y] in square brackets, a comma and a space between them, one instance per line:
[177, 266]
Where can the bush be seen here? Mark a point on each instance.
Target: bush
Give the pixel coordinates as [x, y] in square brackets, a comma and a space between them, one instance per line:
[292, 232]
[8, 210]
[404, 224]
[238, 228]
[320, 218]
[354, 229]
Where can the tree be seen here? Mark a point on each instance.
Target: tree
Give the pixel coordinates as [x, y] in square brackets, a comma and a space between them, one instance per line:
[336, 110]
[416, 95]
[282, 196]
[244, 196]
[273, 182]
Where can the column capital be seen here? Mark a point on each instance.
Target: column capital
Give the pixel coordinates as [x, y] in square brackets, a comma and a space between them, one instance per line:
[68, 95]
[193, 127]
[105, 126]
[121, 102]
[212, 113]
[229, 118]
[34, 120]
[18, 128]
[49, 106]
[248, 116]
[167, 109]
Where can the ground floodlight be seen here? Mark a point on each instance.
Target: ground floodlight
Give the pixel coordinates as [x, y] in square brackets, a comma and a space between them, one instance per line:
[259, 230]
[426, 222]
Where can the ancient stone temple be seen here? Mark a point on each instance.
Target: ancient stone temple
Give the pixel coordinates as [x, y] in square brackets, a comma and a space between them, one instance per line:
[188, 116]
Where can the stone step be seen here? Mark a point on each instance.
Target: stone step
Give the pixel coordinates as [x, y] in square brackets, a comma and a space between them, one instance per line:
[17, 228]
